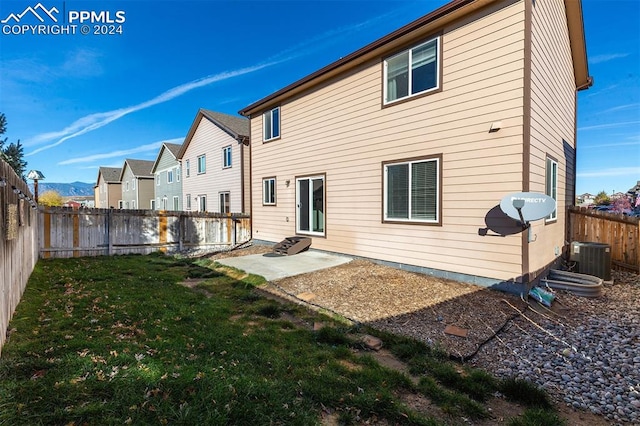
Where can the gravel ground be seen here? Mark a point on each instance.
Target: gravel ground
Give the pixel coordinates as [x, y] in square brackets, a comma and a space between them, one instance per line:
[585, 352]
[587, 355]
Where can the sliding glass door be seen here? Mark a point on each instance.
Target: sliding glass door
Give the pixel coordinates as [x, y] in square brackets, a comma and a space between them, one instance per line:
[310, 210]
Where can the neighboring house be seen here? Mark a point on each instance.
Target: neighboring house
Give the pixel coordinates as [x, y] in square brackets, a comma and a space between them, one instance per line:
[137, 184]
[215, 164]
[73, 204]
[586, 199]
[402, 150]
[168, 182]
[107, 191]
[618, 195]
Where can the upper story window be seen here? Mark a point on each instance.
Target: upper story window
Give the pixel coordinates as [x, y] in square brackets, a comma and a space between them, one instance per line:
[552, 186]
[412, 190]
[412, 72]
[127, 185]
[226, 157]
[169, 176]
[158, 179]
[202, 164]
[187, 168]
[133, 184]
[271, 124]
[178, 174]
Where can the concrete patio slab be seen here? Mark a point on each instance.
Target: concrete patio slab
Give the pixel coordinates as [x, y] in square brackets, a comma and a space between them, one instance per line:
[274, 266]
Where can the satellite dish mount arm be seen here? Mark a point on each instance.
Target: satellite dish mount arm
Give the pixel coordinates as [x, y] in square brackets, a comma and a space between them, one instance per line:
[518, 204]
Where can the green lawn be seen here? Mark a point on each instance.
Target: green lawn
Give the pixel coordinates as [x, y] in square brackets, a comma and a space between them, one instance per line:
[116, 340]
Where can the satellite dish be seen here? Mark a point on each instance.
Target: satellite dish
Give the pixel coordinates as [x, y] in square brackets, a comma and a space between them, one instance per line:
[527, 206]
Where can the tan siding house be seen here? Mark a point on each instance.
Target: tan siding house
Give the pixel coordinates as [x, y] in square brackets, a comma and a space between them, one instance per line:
[214, 159]
[401, 151]
[107, 191]
[137, 184]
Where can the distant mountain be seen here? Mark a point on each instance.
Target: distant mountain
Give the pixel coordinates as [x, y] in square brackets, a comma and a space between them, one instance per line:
[73, 189]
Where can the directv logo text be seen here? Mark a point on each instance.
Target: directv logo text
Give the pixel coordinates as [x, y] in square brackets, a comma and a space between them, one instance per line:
[40, 20]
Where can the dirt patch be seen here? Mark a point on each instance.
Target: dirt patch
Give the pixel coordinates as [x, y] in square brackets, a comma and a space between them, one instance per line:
[193, 284]
[407, 303]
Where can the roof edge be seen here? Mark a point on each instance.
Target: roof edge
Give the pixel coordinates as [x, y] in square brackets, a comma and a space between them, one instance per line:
[202, 113]
[575, 27]
[444, 11]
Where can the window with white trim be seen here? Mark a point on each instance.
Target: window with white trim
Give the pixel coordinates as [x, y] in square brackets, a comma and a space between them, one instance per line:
[133, 184]
[551, 186]
[127, 185]
[226, 157]
[158, 179]
[271, 124]
[169, 176]
[153, 204]
[412, 72]
[178, 174]
[412, 190]
[202, 164]
[187, 168]
[176, 203]
[269, 191]
[188, 202]
[225, 202]
[202, 203]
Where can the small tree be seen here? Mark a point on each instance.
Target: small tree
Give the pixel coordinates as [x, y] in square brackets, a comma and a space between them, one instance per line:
[51, 198]
[13, 153]
[602, 199]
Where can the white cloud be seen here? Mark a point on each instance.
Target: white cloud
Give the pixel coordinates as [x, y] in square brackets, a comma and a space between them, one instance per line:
[97, 120]
[606, 57]
[608, 145]
[77, 63]
[155, 146]
[618, 171]
[608, 125]
[621, 107]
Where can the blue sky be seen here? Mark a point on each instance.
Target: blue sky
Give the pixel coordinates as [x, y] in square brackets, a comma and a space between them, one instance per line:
[78, 101]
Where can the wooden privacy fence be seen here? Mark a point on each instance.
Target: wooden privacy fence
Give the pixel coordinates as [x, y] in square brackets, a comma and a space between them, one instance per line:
[65, 232]
[18, 243]
[621, 232]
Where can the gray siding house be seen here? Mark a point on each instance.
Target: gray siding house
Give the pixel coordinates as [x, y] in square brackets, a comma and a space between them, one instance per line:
[215, 164]
[137, 184]
[168, 182]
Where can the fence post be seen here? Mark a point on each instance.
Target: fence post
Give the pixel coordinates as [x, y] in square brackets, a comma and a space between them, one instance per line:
[234, 234]
[109, 227]
[180, 233]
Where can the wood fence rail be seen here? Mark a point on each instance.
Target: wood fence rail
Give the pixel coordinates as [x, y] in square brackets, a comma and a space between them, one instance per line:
[66, 232]
[621, 232]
